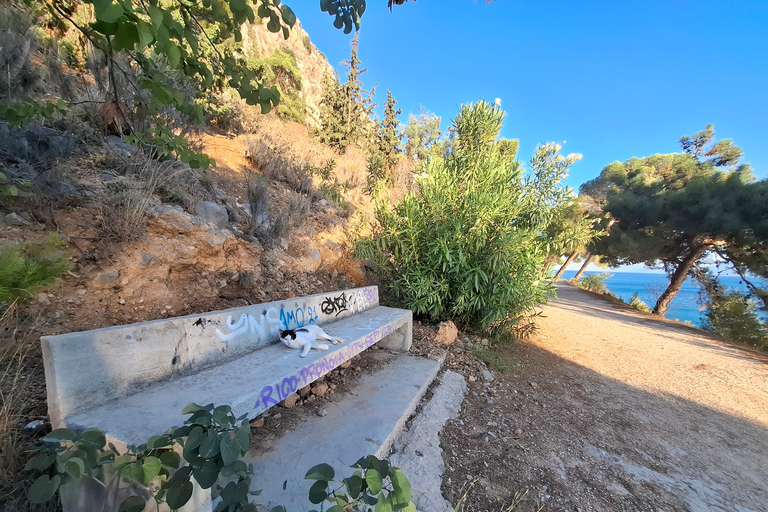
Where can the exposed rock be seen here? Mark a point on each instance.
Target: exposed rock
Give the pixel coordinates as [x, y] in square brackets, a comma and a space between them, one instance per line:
[258, 422]
[322, 412]
[212, 212]
[42, 299]
[14, 219]
[147, 259]
[290, 401]
[320, 388]
[446, 333]
[472, 378]
[305, 390]
[345, 364]
[487, 376]
[120, 146]
[107, 277]
[35, 143]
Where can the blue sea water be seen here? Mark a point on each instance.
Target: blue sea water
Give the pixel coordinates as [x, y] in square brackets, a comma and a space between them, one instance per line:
[688, 304]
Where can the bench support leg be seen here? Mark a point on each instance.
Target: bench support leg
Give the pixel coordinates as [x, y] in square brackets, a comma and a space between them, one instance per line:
[400, 339]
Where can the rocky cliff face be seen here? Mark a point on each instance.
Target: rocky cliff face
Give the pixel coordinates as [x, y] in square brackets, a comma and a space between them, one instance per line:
[312, 63]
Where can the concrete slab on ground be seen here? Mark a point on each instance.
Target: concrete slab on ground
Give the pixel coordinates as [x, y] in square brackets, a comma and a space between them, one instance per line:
[363, 422]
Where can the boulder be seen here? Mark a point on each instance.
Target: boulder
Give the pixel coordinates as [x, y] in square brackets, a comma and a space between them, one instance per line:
[212, 212]
[446, 333]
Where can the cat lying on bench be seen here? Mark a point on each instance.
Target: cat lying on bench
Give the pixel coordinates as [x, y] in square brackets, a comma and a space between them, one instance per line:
[307, 337]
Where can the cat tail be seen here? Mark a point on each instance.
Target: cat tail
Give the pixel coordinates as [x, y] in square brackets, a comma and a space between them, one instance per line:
[320, 347]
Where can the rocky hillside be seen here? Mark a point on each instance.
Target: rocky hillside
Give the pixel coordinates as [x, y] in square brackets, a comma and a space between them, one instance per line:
[312, 64]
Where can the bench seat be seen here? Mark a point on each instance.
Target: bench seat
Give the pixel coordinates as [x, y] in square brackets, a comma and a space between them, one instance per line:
[250, 383]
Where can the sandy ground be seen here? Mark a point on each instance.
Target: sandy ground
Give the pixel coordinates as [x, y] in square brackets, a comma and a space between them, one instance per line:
[608, 409]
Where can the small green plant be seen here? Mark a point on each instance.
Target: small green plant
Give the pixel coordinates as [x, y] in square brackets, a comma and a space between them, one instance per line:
[595, 282]
[26, 268]
[212, 443]
[208, 448]
[636, 302]
[491, 356]
[374, 484]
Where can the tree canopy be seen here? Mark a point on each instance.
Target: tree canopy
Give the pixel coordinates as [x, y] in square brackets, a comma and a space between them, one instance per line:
[679, 208]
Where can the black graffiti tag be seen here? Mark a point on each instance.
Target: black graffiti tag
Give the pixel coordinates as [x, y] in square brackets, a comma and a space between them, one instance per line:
[334, 305]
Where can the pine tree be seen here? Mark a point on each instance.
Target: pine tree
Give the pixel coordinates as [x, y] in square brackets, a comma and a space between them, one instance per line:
[345, 109]
[332, 104]
[358, 104]
[389, 133]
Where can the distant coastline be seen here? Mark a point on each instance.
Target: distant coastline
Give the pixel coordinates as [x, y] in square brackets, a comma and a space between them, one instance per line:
[688, 305]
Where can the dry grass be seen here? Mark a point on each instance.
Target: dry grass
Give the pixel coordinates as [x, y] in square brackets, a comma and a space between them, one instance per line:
[22, 399]
[124, 211]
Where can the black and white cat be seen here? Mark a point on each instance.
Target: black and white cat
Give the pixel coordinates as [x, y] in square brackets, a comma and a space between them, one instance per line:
[307, 337]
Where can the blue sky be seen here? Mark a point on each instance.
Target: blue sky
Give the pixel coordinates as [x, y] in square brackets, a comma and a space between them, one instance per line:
[614, 79]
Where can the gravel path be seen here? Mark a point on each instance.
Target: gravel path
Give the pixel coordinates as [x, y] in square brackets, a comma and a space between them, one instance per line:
[609, 409]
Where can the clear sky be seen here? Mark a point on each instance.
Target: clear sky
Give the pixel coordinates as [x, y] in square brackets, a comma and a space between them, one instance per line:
[614, 79]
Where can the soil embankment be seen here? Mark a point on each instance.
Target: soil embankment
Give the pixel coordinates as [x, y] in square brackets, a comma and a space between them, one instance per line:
[609, 409]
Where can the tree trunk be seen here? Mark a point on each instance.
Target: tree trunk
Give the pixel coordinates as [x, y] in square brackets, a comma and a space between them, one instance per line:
[564, 267]
[677, 279]
[590, 259]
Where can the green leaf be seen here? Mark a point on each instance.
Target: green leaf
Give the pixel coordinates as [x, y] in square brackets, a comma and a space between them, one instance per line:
[221, 415]
[40, 462]
[230, 450]
[151, 468]
[374, 481]
[179, 495]
[196, 436]
[192, 408]
[146, 33]
[75, 467]
[273, 25]
[158, 442]
[237, 467]
[132, 504]
[384, 504]
[134, 471]
[401, 485]
[243, 437]
[126, 37]
[288, 16]
[95, 436]
[156, 15]
[207, 474]
[121, 462]
[43, 489]
[354, 485]
[317, 493]
[320, 472]
[59, 435]
[209, 448]
[173, 54]
[170, 460]
[106, 11]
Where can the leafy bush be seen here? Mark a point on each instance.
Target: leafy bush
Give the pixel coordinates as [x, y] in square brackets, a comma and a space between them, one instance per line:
[734, 316]
[595, 282]
[26, 268]
[636, 302]
[466, 245]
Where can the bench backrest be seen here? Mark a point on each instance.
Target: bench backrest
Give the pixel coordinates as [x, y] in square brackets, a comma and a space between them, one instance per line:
[86, 369]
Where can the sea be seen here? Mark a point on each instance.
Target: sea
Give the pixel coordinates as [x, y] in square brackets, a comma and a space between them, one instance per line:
[687, 306]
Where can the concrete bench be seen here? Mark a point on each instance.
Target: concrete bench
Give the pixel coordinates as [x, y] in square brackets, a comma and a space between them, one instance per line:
[133, 381]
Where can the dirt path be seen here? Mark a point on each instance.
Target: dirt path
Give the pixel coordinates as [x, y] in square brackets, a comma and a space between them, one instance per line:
[610, 410]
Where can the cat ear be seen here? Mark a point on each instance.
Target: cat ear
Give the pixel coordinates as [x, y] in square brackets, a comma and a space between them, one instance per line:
[282, 332]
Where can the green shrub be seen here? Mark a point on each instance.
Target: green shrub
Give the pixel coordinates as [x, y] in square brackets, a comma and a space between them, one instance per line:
[466, 245]
[734, 316]
[636, 302]
[29, 267]
[595, 282]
